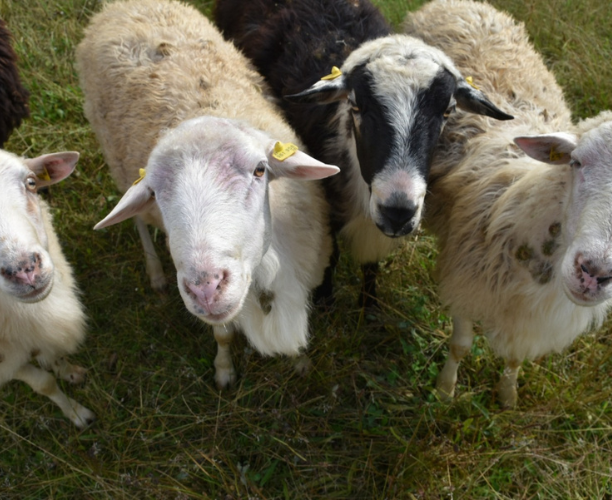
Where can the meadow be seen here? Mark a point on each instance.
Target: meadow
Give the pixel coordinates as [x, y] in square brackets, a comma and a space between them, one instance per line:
[365, 423]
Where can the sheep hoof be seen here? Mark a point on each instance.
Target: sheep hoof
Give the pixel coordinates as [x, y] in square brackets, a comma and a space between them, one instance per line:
[507, 393]
[81, 416]
[225, 377]
[76, 375]
[302, 365]
[159, 284]
[445, 390]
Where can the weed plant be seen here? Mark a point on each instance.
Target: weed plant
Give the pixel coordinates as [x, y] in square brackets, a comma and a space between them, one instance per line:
[365, 423]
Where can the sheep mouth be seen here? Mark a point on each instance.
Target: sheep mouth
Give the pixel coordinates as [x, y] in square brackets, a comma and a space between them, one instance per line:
[37, 294]
[584, 299]
[219, 318]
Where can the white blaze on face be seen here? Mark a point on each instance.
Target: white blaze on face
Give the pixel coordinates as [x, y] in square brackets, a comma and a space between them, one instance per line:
[26, 270]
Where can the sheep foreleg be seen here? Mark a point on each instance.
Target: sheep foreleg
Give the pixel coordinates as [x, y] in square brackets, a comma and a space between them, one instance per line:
[460, 345]
[225, 375]
[44, 383]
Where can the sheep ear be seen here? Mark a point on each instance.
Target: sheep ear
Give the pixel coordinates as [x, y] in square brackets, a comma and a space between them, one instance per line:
[555, 149]
[473, 100]
[53, 167]
[136, 200]
[295, 164]
[323, 92]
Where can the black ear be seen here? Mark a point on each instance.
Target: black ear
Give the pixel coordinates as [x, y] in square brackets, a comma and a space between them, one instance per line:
[322, 92]
[474, 101]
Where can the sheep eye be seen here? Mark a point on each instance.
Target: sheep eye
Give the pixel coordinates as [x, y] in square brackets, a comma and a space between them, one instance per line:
[30, 183]
[259, 171]
[449, 111]
[575, 164]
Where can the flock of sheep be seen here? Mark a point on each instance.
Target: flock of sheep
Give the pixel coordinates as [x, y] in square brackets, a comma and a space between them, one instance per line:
[456, 124]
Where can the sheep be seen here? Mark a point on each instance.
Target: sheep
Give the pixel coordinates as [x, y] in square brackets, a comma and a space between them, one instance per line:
[377, 117]
[524, 244]
[42, 317]
[163, 89]
[13, 96]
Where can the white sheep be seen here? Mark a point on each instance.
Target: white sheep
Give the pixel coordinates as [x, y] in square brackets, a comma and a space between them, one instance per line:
[42, 317]
[525, 247]
[164, 90]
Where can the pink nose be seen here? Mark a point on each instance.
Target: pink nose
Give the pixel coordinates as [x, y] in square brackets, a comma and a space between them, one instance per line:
[26, 272]
[591, 277]
[207, 287]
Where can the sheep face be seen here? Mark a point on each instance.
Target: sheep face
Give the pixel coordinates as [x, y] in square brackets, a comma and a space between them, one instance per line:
[209, 177]
[26, 269]
[395, 94]
[587, 264]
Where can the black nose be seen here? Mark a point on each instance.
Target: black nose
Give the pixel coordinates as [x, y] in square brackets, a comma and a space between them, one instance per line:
[397, 219]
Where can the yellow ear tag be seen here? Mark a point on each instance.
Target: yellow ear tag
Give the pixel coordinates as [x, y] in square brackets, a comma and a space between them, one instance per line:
[470, 80]
[283, 151]
[554, 155]
[334, 74]
[142, 172]
[44, 175]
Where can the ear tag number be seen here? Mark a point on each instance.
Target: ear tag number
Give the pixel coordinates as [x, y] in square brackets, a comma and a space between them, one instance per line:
[470, 81]
[554, 155]
[44, 175]
[335, 73]
[142, 172]
[283, 151]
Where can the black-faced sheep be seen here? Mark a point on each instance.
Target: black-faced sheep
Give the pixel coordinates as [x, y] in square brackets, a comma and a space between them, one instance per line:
[13, 96]
[525, 247]
[378, 118]
[42, 317]
[165, 91]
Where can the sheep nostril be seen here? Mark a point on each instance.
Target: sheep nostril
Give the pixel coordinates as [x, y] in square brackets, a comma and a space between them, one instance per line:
[603, 280]
[585, 269]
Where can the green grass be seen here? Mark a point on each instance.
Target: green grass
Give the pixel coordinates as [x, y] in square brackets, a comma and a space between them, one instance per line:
[365, 423]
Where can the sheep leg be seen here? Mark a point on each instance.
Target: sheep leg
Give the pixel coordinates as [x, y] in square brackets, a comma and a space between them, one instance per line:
[506, 387]
[368, 297]
[153, 264]
[225, 375]
[66, 371]
[44, 383]
[460, 344]
[302, 364]
[324, 293]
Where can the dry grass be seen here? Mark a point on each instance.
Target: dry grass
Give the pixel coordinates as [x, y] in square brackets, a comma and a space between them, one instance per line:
[365, 423]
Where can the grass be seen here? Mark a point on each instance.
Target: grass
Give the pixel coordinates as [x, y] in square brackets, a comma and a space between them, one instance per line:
[365, 423]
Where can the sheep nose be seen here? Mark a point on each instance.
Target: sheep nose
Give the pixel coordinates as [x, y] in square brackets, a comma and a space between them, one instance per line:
[397, 219]
[207, 286]
[590, 278]
[26, 272]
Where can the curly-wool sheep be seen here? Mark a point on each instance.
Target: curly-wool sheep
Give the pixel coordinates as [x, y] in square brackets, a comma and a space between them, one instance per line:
[164, 90]
[524, 246]
[378, 118]
[42, 317]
